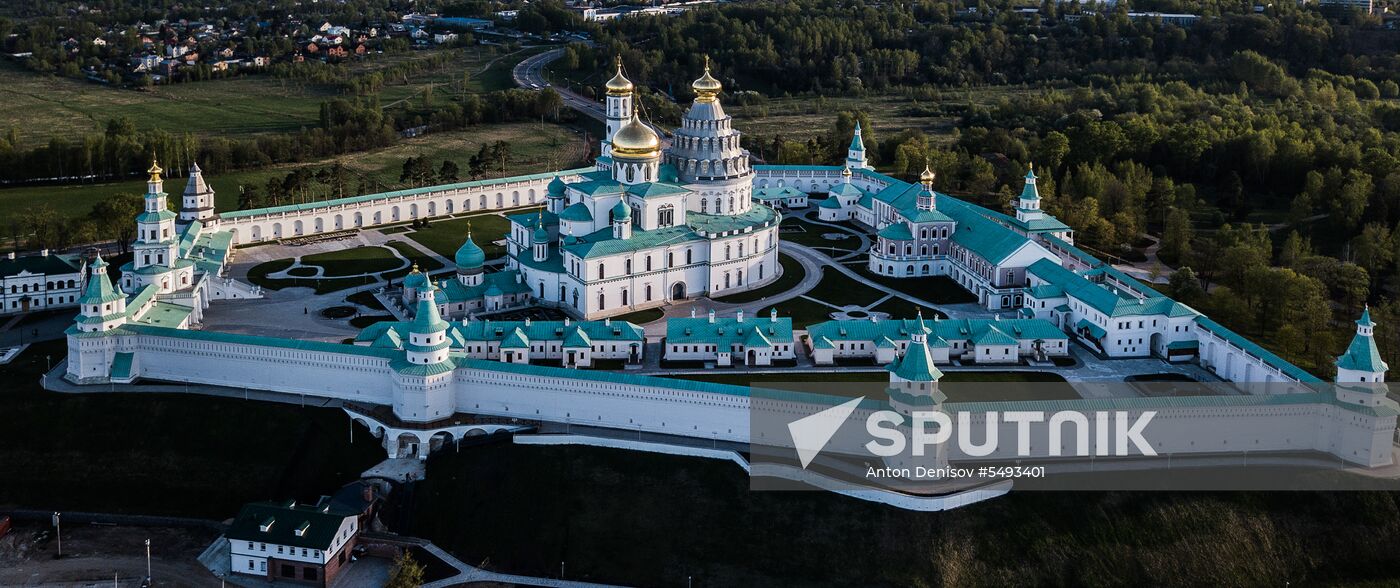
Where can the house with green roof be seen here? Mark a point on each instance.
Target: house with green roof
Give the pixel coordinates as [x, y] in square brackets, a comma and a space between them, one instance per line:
[984, 341]
[781, 198]
[726, 341]
[39, 281]
[1110, 312]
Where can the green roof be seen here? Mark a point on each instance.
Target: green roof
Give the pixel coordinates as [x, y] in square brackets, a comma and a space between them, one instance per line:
[782, 193]
[516, 340]
[469, 255]
[317, 524]
[39, 264]
[577, 338]
[426, 319]
[155, 217]
[1094, 330]
[727, 331]
[993, 336]
[846, 189]
[916, 365]
[829, 203]
[451, 290]
[897, 232]
[99, 289]
[121, 366]
[335, 202]
[1111, 303]
[461, 332]
[757, 216]
[1362, 355]
[655, 189]
[946, 329]
[166, 314]
[601, 243]
[577, 212]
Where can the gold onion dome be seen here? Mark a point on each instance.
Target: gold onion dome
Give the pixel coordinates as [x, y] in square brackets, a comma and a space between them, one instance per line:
[155, 170]
[707, 87]
[635, 139]
[619, 85]
[927, 177]
[846, 172]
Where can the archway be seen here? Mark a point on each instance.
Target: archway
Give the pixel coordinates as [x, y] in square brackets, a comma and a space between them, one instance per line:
[678, 291]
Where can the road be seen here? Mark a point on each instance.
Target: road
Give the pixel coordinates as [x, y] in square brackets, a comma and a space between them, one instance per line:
[529, 74]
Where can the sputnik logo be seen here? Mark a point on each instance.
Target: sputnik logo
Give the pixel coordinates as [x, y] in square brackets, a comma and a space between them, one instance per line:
[811, 433]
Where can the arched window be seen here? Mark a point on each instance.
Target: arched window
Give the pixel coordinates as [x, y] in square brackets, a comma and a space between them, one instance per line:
[687, 257]
[704, 204]
[600, 271]
[601, 299]
[726, 251]
[624, 297]
[627, 267]
[648, 263]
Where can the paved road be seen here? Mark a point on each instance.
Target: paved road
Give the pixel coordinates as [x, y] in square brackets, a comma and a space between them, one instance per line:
[530, 74]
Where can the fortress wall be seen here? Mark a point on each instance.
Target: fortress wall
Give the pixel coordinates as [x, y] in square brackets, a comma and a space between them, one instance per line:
[253, 226]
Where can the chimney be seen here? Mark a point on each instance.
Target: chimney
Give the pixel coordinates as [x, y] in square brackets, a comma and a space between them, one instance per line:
[773, 315]
[43, 253]
[527, 321]
[566, 321]
[712, 316]
[607, 322]
[10, 255]
[367, 492]
[739, 317]
[692, 310]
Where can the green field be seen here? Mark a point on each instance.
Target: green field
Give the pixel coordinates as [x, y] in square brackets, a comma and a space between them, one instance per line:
[811, 235]
[165, 454]
[536, 149]
[446, 236]
[935, 289]
[354, 261]
[802, 311]
[425, 263]
[839, 289]
[900, 308]
[641, 316]
[258, 275]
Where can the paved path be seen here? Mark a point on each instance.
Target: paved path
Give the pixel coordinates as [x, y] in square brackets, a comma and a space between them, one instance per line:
[530, 74]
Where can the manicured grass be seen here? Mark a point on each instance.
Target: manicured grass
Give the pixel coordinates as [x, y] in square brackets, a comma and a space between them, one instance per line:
[900, 308]
[353, 261]
[425, 263]
[302, 272]
[802, 311]
[445, 236]
[792, 275]
[839, 289]
[641, 316]
[164, 454]
[258, 275]
[935, 289]
[363, 321]
[366, 299]
[535, 149]
[812, 236]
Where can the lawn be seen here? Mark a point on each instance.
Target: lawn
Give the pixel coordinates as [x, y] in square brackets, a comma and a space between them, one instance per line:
[839, 289]
[258, 275]
[445, 236]
[792, 275]
[900, 308]
[802, 311]
[425, 263]
[165, 454]
[811, 235]
[365, 299]
[641, 316]
[935, 289]
[535, 149]
[353, 261]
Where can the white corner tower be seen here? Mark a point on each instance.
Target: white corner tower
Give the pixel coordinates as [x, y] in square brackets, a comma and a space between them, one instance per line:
[1028, 204]
[855, 154]
[618, 105]
[197, 203]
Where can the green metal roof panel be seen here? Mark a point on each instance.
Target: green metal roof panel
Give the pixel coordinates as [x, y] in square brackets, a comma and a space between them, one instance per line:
[298, 525]
[39, 264]
[121, 366]
[1362, 355]
[896, 232]
[727, 331]
[258, 340]
[166, 314]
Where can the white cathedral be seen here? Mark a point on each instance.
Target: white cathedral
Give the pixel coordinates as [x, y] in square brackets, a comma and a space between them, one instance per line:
[650, 224]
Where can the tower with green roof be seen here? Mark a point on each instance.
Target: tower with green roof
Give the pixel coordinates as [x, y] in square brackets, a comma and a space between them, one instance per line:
[470, 261]
[157, 245]
[423, 378]
[914, 389]
[1362, 360]
[1028, 204]
[855, 154]
[102, 307]
[621, 220]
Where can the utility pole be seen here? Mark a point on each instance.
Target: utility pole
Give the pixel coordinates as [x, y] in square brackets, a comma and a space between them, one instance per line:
[148, 561]
[58, 525]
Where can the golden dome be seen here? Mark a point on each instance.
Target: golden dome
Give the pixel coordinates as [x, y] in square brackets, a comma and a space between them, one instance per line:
[927, 177]
[635, 140]
[619, 85]
[846, 172]
[155, 170]
[707, 87]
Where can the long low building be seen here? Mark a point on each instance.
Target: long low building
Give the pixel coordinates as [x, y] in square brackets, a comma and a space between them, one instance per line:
[726, 341]
[983, 341]
[39, 282]
[571, 344]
